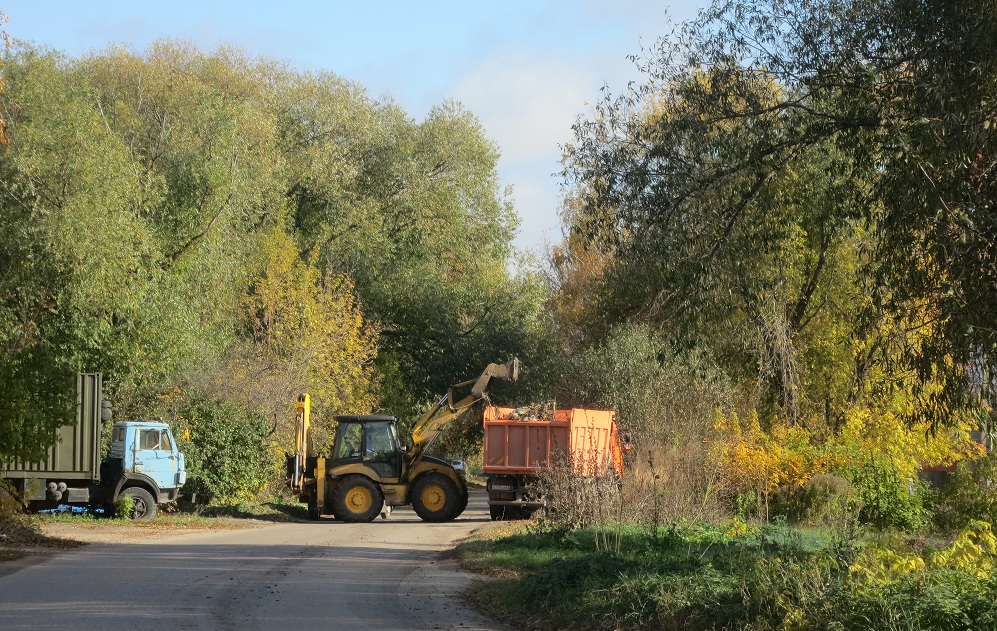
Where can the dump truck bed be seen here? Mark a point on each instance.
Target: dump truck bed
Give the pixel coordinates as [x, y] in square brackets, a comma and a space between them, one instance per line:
[518, 443]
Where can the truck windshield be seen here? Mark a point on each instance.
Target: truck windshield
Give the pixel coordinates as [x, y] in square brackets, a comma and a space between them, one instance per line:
[155, 439]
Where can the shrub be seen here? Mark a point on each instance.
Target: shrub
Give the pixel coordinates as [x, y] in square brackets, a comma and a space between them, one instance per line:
[888, 499]
[11, 505]
[669, 483]
[662, 396]
[227, 456]
[967, 495]
[124, 507]
[824, 500]
[573, 501]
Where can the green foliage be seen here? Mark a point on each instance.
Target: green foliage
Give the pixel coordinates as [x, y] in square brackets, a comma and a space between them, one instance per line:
[124, 507]
[729, 577]
[802, 189]
[227, 456]
[177, 217]
[888, 499]
[824, 500]
[11, 505]
[966, 495]
[661, 396]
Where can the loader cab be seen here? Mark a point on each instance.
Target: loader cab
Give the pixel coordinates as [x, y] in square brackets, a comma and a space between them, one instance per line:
[370, 439]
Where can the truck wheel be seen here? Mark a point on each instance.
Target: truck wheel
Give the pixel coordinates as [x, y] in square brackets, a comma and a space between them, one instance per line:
[436, 498]
[464, 497]
[143, 505]
[357, 499]
[497, 512]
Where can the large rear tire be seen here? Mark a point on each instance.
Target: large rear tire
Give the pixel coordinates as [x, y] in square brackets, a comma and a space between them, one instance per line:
[436, 498]
[143, 504]
[357, 499]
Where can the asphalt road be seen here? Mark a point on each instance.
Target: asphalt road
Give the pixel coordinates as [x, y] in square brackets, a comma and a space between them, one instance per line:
[385, 575]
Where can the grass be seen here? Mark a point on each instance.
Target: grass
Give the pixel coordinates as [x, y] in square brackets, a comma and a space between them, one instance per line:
[703, 577]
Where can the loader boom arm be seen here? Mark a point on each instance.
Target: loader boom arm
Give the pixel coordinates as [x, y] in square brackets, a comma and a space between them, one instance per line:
[429, 427]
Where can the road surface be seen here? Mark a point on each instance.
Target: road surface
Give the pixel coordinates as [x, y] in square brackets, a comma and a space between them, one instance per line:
[385, 575]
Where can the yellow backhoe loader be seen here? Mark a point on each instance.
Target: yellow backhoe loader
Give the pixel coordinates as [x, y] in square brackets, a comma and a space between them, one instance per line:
[368, 470]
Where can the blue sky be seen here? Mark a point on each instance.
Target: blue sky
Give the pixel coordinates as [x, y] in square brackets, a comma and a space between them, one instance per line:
[526, 69]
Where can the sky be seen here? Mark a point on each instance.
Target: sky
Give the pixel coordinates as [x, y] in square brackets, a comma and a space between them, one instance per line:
[526, 69]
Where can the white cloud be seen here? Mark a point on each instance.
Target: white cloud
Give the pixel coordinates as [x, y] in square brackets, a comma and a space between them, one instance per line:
[527, 103]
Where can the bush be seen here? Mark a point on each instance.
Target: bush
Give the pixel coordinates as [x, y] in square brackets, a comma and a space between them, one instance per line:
[967, 495]
[888, 500]
[11, 505]
[573, 501]
[124, 507]
[661, 396]
[227, 456]
[824, 500]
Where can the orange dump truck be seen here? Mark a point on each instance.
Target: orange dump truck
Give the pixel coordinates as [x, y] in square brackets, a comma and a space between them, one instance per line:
[519, 443]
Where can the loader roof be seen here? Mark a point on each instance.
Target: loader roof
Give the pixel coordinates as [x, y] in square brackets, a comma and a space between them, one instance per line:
[364, 417]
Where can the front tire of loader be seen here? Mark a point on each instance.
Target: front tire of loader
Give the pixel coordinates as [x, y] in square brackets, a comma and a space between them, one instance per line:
[436, 498]
[464, 497]
[357, 499]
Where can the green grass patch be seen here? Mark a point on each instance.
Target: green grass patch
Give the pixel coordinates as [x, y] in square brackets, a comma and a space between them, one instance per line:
[183, 516]
[733, 577]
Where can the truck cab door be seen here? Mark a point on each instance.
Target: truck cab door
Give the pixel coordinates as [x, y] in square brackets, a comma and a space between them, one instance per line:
[156, 457]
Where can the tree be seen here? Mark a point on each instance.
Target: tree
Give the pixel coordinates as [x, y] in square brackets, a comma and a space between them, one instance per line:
[6, 42]
[75, 261]
[224, 227]
[305, 332]
[414, 214]
[879, 109]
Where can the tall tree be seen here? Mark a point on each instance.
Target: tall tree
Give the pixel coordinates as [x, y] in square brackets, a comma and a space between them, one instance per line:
[181, 220]
[414, 213]
[5, 38]
[879, 109]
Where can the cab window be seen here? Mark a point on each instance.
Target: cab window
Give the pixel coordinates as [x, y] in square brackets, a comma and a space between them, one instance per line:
[347, 441]
[154, 439]
[380, 449]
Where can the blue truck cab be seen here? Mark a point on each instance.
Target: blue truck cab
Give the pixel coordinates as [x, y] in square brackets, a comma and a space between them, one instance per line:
[144, 464]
